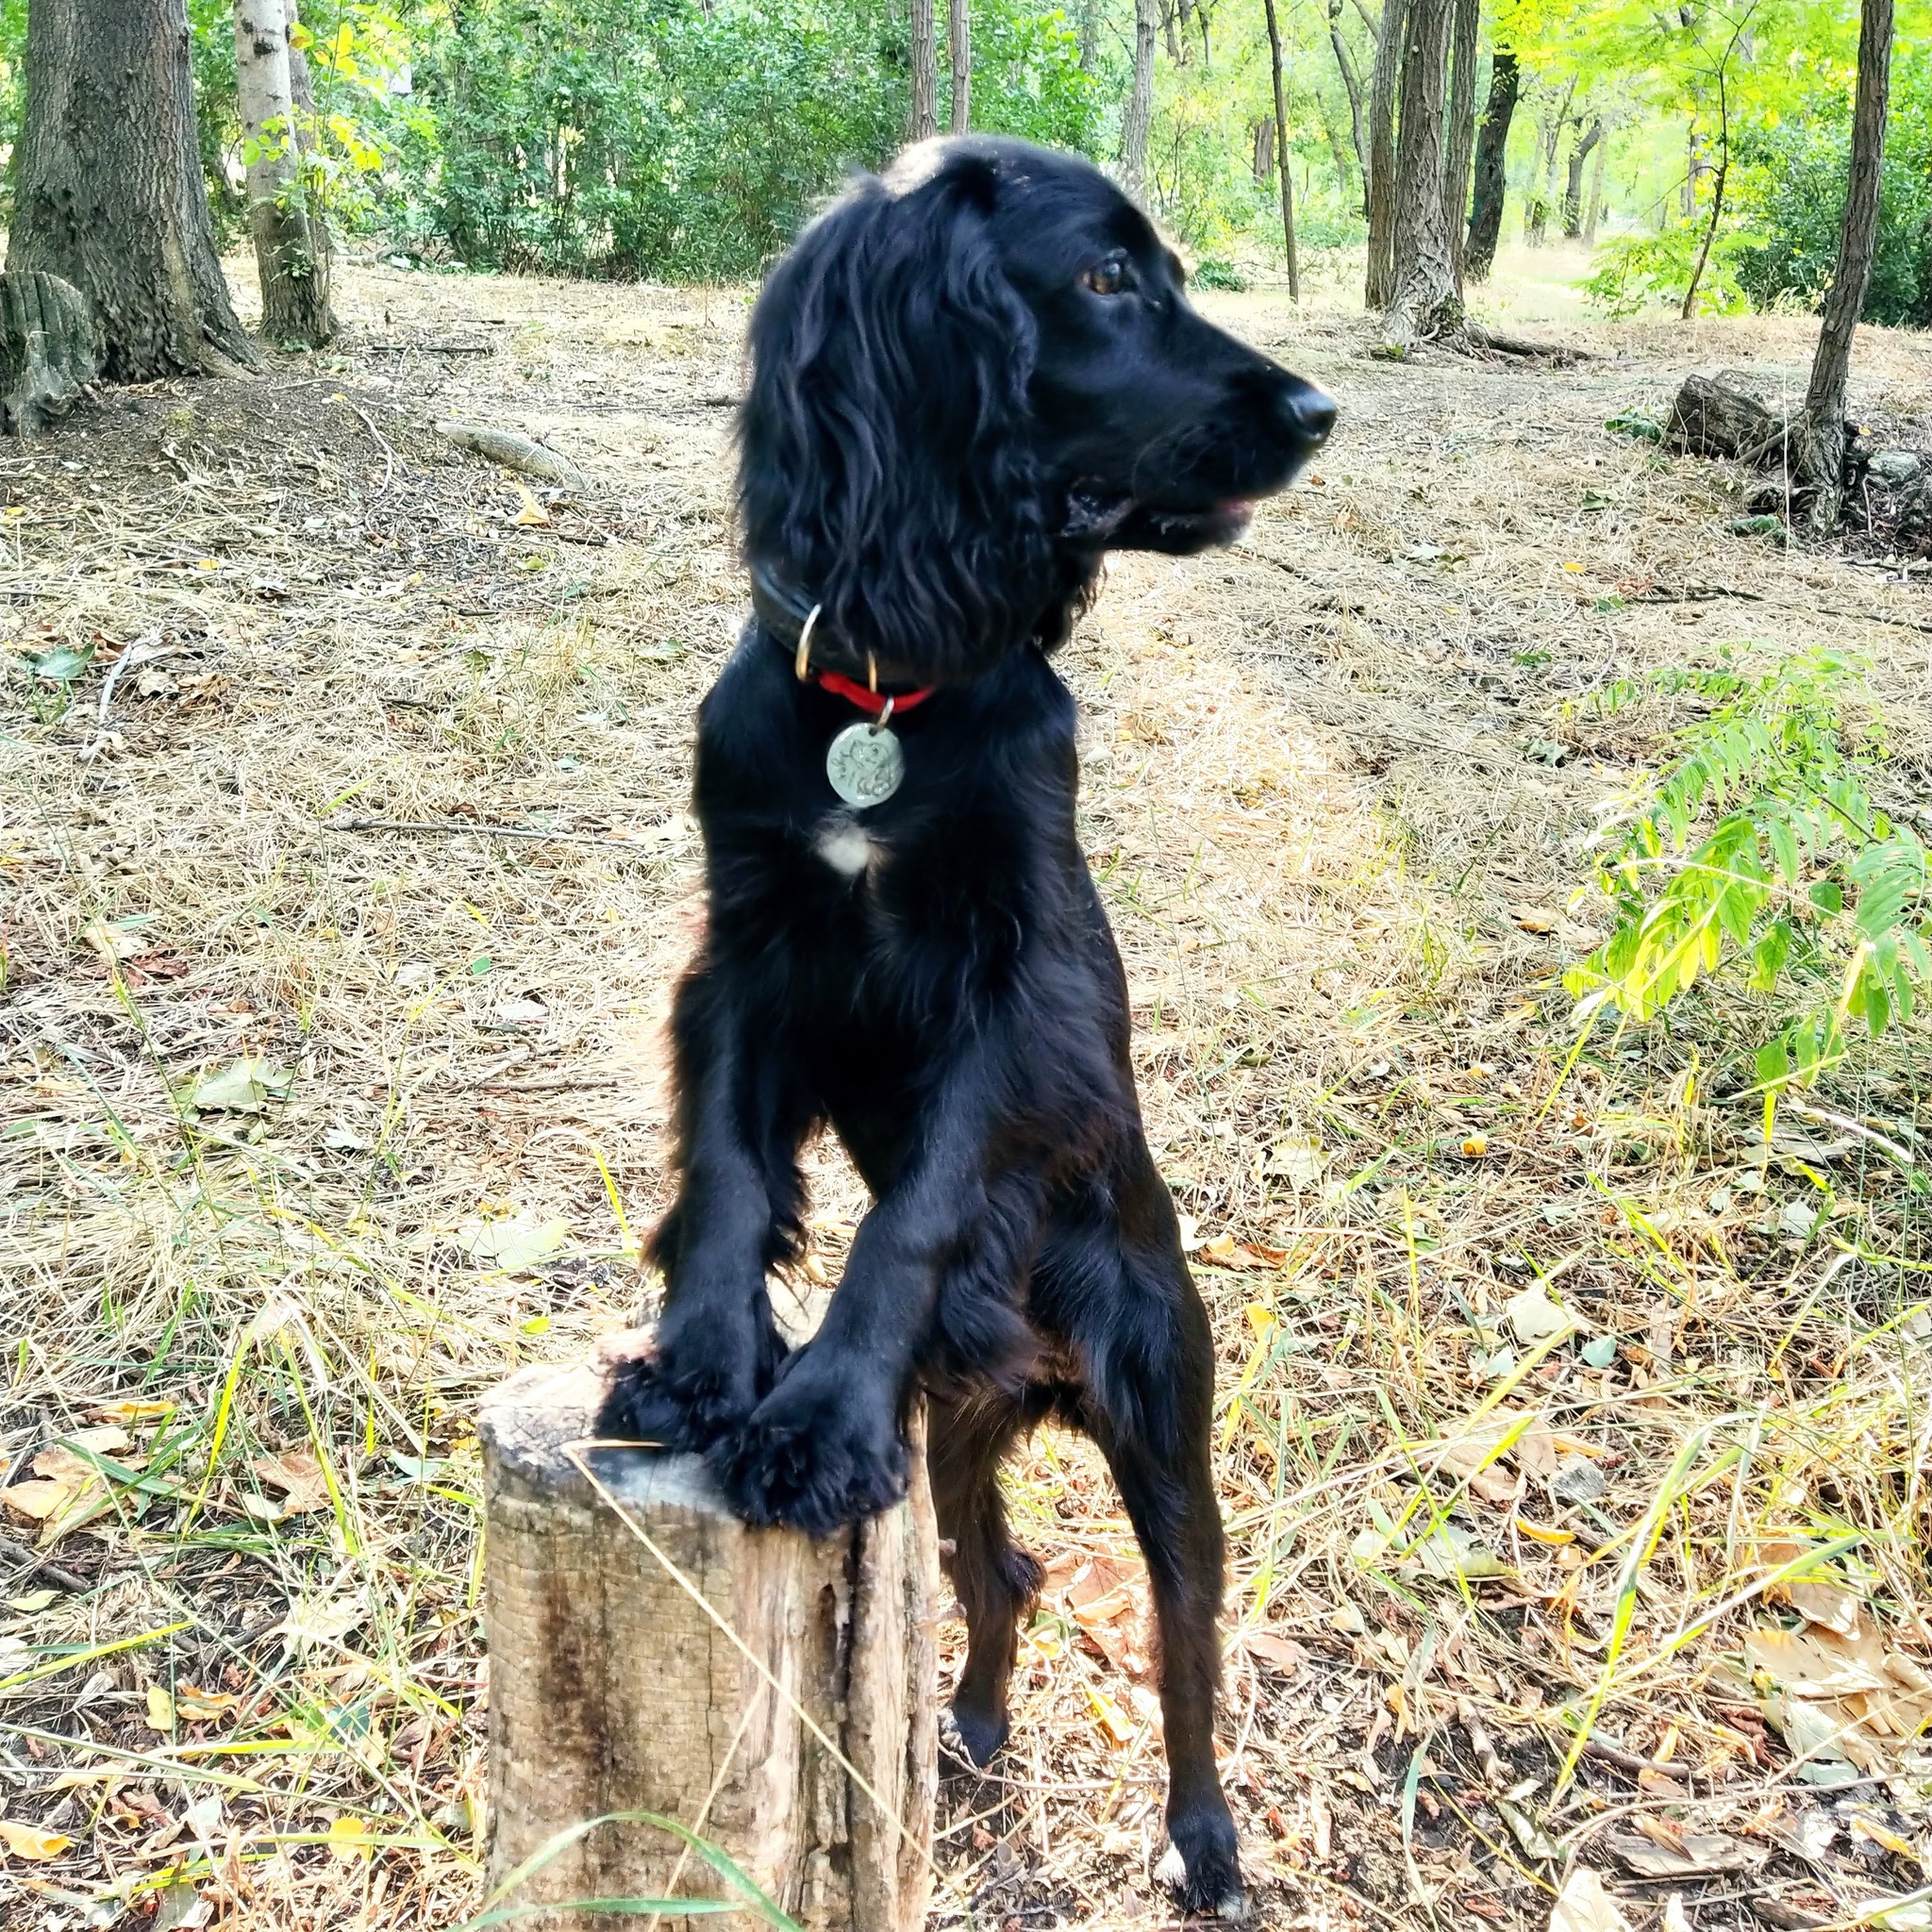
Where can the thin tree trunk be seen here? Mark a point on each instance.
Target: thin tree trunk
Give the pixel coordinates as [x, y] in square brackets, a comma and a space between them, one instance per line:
[1337, 153]
[1492, 147]
[1264, 153]
[294, 271]
[1090, 35]
[924, 121]
[1422, 303]
[1139, 115]
[1294, 273]
[1390, 40]
[1168, 18]
[1352, 86]
[960, 52]
[1461, 136]
[1822, 428]
[1594, 218]
[1573, 185]
[109, 194]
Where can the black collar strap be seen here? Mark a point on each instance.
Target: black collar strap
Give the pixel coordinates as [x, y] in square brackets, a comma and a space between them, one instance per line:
[784, 614]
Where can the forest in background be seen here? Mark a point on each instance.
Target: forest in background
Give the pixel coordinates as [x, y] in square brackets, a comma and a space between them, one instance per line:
[686, 139]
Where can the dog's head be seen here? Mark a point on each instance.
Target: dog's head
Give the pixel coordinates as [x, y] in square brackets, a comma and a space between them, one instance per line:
[973, 378]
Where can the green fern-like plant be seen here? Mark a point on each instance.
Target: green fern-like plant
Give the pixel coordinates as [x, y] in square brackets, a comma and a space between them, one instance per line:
[1761, 852]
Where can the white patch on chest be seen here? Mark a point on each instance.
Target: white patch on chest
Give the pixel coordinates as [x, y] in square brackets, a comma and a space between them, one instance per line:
[844, 847]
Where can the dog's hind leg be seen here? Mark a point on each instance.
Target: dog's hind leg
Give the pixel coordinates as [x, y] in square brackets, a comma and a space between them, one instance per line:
[1120, 1289]
[967, 1438]
[741, 1114]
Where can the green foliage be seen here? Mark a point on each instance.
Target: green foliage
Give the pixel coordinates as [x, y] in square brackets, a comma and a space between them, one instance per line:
[669, 137]
[1638, 272]
[1794, 191]
[1760, 854]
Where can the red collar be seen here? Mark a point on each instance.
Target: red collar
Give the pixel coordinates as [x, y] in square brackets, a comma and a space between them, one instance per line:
[873, 702]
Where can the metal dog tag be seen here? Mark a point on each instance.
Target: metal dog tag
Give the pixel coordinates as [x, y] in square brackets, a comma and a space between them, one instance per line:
[865, 764]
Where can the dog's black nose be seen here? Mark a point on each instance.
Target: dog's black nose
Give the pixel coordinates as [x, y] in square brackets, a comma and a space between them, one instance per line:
[1307, 413]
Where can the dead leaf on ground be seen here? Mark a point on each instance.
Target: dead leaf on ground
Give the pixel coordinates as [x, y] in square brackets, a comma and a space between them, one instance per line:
[1535, 1316]
[299, 1475]
[1584, 1906]
[1282, 1654]
[1696, 1854]
[29, 1842]
[196, 1707]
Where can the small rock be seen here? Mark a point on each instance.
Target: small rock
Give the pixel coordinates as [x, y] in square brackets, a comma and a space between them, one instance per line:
[1578, 1480]
[1895, 466]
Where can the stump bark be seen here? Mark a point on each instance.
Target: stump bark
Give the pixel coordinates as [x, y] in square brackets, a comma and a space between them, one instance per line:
[611, 1690]
[50, 349]
[1712, 418]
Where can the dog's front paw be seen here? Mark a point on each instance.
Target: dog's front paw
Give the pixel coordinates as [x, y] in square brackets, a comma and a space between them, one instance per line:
[651, 1401]
[1203, 1862]
[815, 1455]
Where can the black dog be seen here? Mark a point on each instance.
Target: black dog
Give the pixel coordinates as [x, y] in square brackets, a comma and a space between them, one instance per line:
[971, 379]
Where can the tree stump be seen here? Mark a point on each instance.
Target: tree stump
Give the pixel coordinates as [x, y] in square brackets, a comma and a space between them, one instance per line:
[611, 1690]
[1713, 418]
[50, 347]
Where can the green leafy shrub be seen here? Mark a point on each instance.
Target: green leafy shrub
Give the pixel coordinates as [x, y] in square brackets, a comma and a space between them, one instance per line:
[1633, 272]
[1760, 853]
[1216, 273]
[1793, 189]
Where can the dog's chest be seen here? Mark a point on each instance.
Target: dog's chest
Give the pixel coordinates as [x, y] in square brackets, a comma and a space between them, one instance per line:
[845, 845]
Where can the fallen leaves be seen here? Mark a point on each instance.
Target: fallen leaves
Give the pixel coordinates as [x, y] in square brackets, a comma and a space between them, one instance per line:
[1584, 1906]
[1847, 1701]
[68, 1487]
[514, 1241]
[30, 1842]
[299, 1475]
[1535, 1317]
[245, 1086]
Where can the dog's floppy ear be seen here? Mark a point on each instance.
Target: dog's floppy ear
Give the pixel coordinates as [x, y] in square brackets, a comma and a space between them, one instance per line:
[885, 467]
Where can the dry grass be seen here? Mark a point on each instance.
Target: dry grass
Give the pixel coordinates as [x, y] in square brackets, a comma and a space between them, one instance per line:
[1335, 798]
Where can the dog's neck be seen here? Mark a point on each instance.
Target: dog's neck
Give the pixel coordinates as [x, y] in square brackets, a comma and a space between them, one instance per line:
[784, 613]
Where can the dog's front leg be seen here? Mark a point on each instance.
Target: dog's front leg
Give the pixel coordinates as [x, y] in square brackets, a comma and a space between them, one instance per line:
[827, 1447]
[717, 1348]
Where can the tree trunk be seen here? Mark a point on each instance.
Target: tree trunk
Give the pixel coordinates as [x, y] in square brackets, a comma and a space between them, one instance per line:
[1139, 115]
[1390, 40]
[1337, 153]
[1461, 136]
[960, 52]
[924, 121]
[1294, 272]
[1594, 218]
[1423, 304]
[1820, 440]
[1543, 196]
[1352, 86]
[50, 349]
[1492, 147]
[294, 271]
[1264, 153]
[1573, 185]
[1090, 35]
[109, 193]
[613, 1690]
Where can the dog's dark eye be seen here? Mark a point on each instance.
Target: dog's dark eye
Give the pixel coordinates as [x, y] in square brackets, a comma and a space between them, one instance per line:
[1104, 280]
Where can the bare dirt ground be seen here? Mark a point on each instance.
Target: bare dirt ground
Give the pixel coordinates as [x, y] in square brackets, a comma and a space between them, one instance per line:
[346, 869]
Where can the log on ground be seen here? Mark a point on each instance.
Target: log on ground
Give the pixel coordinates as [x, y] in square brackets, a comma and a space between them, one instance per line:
[1713, 418]
[612, 1690]
[51, 348]
[516, 452]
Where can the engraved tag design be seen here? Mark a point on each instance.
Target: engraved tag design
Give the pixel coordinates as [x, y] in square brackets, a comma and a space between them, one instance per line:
[865, 764]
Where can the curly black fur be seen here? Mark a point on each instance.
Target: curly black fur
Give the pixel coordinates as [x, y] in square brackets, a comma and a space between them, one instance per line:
[971, 379]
